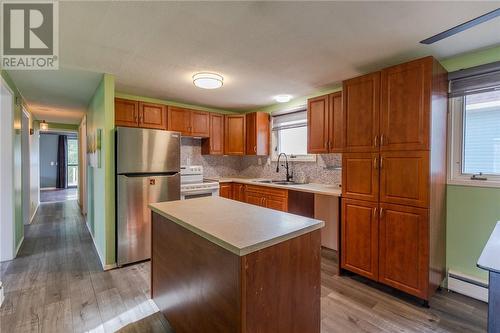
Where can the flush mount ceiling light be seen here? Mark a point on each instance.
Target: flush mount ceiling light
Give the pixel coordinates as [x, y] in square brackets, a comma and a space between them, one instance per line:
[282, 98]
[44, 126]
[207, 80]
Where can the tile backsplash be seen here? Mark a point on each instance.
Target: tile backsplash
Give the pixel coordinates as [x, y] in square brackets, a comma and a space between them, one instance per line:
[325, 170]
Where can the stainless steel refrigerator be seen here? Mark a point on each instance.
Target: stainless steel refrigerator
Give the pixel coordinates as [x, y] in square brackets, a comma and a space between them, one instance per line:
[147, 171]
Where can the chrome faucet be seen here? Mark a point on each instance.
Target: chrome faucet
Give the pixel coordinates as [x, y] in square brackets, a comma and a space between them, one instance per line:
[288, 175]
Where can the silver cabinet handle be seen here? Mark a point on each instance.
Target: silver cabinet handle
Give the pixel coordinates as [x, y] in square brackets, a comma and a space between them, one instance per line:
[375, 212]
[382, 139]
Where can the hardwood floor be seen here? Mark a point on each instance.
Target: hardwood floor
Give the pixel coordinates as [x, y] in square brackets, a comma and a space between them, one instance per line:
[57, 285]
[57, 195]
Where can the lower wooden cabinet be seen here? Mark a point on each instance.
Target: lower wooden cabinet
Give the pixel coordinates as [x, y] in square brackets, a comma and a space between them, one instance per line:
[226, 190]
[360, 237]
[403, 248]
[273, 198]
[255, 198]
[239, 192]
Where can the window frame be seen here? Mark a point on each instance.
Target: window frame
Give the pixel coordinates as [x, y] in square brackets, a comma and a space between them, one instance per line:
[274, 139]
[455, 149]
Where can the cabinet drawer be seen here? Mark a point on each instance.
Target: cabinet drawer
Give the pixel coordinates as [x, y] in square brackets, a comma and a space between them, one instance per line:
[255, 198]
[277, 203]
[404, 178]
[360, 176]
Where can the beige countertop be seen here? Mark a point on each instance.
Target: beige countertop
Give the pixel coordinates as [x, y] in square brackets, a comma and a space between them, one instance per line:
[324, 189]
[238, 227]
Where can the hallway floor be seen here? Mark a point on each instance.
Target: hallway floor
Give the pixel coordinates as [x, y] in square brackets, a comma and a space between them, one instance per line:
[57, 285]
[58, 195]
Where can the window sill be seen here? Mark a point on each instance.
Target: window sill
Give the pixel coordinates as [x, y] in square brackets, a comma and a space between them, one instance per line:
[474, 183]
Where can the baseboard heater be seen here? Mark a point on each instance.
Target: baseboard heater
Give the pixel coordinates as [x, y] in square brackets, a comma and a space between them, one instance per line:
[468, 285]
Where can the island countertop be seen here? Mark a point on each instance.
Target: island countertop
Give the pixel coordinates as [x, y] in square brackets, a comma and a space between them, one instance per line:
[235, 226]
[490, 257]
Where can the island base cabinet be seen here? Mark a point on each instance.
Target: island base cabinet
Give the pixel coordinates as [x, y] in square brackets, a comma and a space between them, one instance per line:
[202, 287]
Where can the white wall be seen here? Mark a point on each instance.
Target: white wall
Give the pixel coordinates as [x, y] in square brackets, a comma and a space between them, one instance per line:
[34, 168]
[7, 251]
[25, 165]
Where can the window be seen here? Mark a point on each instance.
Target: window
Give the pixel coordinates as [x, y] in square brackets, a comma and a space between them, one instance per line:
[72, 162]
[475, 139]
[289, 136]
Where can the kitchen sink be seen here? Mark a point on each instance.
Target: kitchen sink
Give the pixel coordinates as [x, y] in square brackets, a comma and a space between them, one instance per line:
[278, 182]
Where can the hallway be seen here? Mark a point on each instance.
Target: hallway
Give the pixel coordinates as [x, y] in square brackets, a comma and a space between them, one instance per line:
[58, 195]
[56, 283]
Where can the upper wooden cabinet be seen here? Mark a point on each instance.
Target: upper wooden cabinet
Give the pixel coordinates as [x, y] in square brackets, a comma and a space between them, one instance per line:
[234, 135]
[140, 114]
[257, 133]
[152, 116]
[324, 124]
[188, 122]
[126, 112]
[214, 145]
[361, 102]
[405, 105]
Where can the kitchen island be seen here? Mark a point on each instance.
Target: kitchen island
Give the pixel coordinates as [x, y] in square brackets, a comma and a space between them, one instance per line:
[219, 265]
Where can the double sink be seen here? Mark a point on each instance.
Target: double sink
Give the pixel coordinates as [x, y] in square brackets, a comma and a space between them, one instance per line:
[278, 182]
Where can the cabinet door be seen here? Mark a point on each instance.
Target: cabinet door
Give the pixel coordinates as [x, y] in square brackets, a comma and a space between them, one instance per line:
[179, 120]
[239, 192]
[257, 136]
[404, 178]
[404, 244]
[214, 145]
[226, 190]
[234, 135]
[335, 127]
[360, 176]
[277, 203]
[317, 125]
[360, 100]
[405, 106]
[359, 239]
[255, 198]
[200, 124]
[152, 116]
[126, 113]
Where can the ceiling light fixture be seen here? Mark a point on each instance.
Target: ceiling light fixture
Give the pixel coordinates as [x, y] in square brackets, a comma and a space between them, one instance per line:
[44, 126]
[283, 98]
[207, 80]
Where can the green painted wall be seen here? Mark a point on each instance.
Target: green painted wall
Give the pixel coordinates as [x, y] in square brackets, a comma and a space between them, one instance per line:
[16, 132]
[66, 127]
[471, 59]
[173, 103]
[101, 181]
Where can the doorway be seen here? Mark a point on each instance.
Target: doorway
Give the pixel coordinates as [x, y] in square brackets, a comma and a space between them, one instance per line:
[25, 166]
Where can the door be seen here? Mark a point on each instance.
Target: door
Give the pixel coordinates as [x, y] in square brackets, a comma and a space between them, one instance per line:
[134, 195]
[405, 106]
[214, 145]
[359, 240]
[200, 124]
[335, 120]
[226, 190]
[257, 136]
[404, 248]
[255, 198]
[404, 178]
[317, 125]
[361, 98]
[234, 135]
[126, 112]
[152, 116]
[360, 176]
[179, 120]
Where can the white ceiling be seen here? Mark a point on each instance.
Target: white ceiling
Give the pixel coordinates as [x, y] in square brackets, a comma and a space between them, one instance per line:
[261, 48]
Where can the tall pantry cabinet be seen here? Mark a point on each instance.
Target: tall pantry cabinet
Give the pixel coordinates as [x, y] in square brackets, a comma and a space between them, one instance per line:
[393, 176]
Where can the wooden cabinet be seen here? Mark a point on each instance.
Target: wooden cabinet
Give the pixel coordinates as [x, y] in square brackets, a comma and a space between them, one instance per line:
[361, 102]
[234, 135]
[226, 190]
[140, 114]
[152, 116]
[404, 245]
[239, 192]
[324, 119]
[395, 157]
[126, 113]
[359, 237]
[273, 198]
[255, 197]
[360, 176]
[404, 178]
[257, 133]
[405, 106]
[188, 122]
[214, 144]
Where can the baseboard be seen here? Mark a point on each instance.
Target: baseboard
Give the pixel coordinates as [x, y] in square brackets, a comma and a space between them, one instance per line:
[34, 213]
[47, 188]
[468, 285]
[103, 265]
[19, 246]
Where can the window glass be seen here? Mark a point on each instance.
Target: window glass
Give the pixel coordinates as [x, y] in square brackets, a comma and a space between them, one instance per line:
[293, 141]
[481, 137]
[72, 162]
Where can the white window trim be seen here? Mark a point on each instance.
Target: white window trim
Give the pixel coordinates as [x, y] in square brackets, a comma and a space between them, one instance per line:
[274, 138]
[455, 144]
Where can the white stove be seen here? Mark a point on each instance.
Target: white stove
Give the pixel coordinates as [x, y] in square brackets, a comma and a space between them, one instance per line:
[193, 185]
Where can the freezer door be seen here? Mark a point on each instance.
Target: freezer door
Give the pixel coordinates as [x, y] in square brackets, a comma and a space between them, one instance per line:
[140, 150]
[133, 215]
